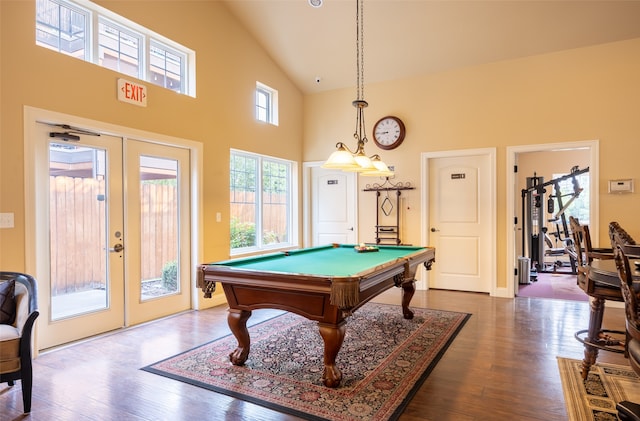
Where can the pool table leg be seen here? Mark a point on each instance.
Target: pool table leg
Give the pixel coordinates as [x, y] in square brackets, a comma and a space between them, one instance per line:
[408, 289]
[237, 320]
[333, 335]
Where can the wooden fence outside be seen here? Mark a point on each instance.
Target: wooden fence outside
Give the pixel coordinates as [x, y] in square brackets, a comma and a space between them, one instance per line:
[274, 213]
[78, 234]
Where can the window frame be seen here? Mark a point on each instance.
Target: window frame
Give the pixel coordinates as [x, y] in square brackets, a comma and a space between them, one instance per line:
[271, 106]
[87, 53]
[581, 202]
[96, 14]
[140, 57]
[292, 206]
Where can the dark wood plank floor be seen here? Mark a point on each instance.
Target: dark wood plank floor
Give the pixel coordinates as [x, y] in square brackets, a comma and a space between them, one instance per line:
[502, 366]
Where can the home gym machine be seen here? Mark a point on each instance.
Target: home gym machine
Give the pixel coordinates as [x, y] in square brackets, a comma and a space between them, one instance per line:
[536, 238]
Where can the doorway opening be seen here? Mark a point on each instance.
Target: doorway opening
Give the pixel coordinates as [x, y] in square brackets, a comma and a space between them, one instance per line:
[547, 184]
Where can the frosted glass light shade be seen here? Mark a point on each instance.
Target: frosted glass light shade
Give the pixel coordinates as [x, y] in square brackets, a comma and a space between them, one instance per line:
[381, 169]
[341, 159]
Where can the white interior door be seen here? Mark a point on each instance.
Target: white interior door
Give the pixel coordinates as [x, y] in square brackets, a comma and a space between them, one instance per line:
[333, 210]
[460, 222]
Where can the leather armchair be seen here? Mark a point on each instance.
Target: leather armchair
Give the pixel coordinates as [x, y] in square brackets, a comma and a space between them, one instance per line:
[15, 338]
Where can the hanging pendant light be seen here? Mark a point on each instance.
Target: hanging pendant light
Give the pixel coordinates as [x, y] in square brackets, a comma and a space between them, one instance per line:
[343, 158]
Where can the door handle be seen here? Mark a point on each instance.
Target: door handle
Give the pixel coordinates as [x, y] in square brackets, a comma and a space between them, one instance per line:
[117, 248]
[350, 229]
[435, 230]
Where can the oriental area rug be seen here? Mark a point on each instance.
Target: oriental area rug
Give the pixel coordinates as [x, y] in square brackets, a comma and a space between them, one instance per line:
[596, 399]
[384, 359]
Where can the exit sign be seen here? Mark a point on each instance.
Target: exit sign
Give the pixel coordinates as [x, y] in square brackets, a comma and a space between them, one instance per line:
[132, 92]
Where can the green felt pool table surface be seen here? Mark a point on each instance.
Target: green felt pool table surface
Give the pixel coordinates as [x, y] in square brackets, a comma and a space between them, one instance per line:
[332, 261]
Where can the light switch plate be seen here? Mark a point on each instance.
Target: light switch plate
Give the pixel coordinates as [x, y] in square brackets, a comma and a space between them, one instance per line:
[6, 220]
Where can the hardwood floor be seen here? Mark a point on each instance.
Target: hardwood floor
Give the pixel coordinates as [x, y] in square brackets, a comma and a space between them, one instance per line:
[502, 366]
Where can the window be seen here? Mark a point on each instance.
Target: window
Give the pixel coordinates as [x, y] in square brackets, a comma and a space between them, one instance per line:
[119, 49]
[266, 104]
[167, 66]
[62, 27]
[118, 44]
[262, 202]
[579, 207]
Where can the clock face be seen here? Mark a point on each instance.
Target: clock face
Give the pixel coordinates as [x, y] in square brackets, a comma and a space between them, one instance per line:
[388, 132]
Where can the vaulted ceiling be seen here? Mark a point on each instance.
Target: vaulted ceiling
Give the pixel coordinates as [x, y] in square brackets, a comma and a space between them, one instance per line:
[405, 38]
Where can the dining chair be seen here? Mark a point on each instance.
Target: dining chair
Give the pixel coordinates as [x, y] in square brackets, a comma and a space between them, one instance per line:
[627, 410]
[594, 338]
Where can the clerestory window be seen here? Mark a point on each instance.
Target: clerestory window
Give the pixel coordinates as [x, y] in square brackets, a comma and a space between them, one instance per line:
[84, 30]
[266, 104]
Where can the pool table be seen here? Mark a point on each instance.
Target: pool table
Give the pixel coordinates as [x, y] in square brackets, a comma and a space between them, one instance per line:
[325, 284]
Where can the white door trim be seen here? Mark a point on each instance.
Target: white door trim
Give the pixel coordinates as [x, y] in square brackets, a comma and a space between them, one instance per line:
[594, 210]
[424, 202]
[33, 164]
[307, 229]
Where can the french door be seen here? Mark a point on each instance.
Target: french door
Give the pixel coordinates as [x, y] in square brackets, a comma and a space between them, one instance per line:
[117, 233]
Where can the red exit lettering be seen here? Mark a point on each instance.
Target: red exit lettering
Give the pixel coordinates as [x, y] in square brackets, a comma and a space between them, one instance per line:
[133, 92]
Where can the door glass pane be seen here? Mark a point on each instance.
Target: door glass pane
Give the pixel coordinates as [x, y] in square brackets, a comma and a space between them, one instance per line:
[159, 227]
[78, 237]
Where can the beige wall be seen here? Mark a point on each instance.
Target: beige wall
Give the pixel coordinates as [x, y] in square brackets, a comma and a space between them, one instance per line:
[582, 94]
[229, 62]
[576, 95]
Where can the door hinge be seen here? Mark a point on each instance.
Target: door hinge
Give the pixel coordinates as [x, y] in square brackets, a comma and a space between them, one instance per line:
[515, 220]
[515, 168]
[515, 271]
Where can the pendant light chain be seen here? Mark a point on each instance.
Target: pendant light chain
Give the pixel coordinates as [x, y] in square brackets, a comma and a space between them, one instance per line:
[360, 133]
[360, 49]
[344, 158]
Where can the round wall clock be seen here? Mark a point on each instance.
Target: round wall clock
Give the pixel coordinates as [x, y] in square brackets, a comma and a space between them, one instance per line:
[388, 132]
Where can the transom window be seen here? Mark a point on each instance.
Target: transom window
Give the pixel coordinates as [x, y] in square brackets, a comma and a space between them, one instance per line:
[119, 49]
[62, 27]
[119, 44]
[262, 203]
[266, 104]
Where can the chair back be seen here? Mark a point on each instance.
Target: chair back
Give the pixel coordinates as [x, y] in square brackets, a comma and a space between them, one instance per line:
[620, 237]
[585, 253]
[629, 293]
[28, 282]
[582, 245]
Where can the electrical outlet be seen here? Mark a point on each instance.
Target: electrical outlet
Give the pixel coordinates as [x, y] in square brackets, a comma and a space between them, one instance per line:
[6, 220]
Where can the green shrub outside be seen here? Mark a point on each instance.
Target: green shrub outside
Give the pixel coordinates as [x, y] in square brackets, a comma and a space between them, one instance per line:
[243, 234]
[170, 276]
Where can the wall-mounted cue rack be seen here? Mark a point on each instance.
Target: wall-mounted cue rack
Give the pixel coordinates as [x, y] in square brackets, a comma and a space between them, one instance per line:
[388, 233]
